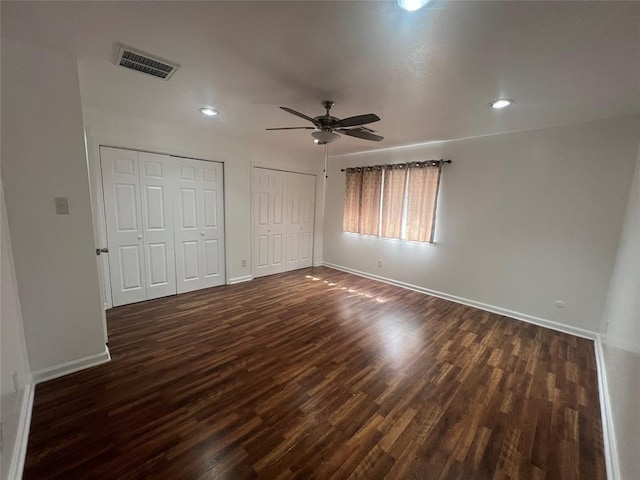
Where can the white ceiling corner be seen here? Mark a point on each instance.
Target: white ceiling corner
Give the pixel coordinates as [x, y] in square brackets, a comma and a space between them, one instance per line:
[429, 75]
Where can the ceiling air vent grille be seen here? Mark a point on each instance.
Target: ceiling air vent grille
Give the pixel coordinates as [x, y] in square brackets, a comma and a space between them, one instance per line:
[145, 63]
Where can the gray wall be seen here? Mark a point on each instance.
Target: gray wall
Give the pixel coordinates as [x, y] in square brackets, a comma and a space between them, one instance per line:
[524, 219]
[43, 156]
[620, 335]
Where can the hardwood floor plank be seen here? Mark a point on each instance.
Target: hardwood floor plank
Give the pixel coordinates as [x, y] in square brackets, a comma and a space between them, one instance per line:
[319, 374]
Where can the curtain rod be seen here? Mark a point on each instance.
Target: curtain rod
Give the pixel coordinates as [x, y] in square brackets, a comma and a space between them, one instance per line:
[393, 164]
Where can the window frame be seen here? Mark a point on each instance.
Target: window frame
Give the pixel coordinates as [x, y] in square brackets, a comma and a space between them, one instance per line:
[427, 197]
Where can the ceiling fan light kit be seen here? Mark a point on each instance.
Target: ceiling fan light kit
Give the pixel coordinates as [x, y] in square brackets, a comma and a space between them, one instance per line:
[412, 5]
[326, 126]
[325, 136]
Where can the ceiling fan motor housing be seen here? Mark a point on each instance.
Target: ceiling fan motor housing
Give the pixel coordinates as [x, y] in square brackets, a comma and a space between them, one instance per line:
[327, 125]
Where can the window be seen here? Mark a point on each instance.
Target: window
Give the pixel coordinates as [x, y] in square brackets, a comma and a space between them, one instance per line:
[393, 201]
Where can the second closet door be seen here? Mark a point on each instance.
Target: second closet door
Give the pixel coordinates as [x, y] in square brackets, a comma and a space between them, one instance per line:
[283, 208]
[301, 192]
[199, 227]
[268, 190]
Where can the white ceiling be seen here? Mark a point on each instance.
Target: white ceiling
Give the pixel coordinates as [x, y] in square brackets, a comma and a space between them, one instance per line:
[429, 75]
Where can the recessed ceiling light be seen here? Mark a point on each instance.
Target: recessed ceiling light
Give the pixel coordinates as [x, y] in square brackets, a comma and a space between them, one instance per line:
[501, 103]
[412, 5]
[208, 111]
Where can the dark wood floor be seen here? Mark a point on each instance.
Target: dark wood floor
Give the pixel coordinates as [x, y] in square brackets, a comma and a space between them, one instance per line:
[321, 374]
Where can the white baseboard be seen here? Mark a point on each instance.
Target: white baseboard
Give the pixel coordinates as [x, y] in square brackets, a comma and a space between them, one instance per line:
[608, 432]
[244, 278]
[26, 406]
[318, 264]
[71, 367]
[541, 322]
[22, 435]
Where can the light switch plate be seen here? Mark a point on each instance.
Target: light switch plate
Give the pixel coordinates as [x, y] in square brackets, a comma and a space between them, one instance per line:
[62, 205]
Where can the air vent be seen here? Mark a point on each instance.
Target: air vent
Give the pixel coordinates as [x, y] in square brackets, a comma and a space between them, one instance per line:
[145, 63]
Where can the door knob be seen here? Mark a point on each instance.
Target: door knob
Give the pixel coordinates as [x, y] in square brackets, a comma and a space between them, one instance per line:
[202, 233]
[139, 237]
[101, 250]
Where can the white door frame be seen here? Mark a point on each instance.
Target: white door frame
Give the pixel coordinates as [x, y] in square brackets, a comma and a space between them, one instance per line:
[93, 150]
[280, 168]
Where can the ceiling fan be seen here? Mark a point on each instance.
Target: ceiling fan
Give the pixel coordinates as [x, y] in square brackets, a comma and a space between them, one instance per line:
[326, 126]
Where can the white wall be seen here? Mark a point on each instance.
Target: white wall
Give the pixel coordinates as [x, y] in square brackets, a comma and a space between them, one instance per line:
[108, 128]
[43, 157]
[13, 354]
[523, 220]
[620, 336]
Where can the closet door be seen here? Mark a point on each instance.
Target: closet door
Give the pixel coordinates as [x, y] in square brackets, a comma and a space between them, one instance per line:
[268, 190]
[300, 197]
[121, 184]
[157, 178]
[199, 225]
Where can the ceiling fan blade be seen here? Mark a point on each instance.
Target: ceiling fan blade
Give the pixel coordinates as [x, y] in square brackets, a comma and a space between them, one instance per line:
[292, 128]
[298, 114]
[355, 132]
[357, 120]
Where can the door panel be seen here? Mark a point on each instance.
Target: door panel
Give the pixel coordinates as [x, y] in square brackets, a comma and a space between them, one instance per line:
[157, 261]
[276, 254]
[267, 191]
[293, 246]
[263, 208]
[189, 213]
[154, 207]
[129, 256]
[300, 216]
[210, 206]
[306, 242]
[263, 251]
[278, 208]
[211, 258]
[122, 200]
[190, 250]
[157, 180]
[126, 207]
[199, 225]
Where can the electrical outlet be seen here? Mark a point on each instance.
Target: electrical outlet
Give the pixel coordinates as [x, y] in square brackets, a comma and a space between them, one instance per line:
[379, 262]
[244, 263]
